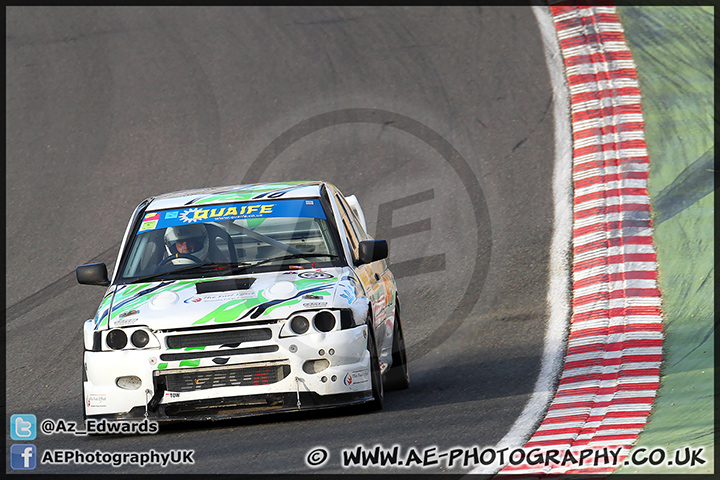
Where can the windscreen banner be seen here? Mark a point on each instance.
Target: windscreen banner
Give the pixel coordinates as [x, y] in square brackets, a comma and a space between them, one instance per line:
[310, 208]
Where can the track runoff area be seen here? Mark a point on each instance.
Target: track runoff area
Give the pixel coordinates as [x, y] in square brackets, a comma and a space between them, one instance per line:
[612, 363]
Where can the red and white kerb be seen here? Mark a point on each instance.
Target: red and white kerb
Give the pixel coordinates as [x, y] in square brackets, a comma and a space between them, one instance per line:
[612, 364]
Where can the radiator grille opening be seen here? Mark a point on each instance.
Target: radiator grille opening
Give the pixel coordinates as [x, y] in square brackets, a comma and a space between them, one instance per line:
[191, 380]
[233, 337]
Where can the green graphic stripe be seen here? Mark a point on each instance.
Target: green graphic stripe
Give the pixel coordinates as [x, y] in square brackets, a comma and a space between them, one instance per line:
[234, 309]
[283, 304]
[127, 293]
[247, 193]
[190, 363]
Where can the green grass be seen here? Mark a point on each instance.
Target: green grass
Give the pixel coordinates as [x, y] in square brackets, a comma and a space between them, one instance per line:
[673, 48]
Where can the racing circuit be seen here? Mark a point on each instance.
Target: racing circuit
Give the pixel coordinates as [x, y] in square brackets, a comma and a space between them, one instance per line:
[440, 121]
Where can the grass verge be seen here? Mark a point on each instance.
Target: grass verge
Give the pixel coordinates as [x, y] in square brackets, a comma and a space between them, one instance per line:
[673, 48]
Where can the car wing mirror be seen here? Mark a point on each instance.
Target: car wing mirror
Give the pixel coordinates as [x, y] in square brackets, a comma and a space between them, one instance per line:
[92, 274]
[371, 251]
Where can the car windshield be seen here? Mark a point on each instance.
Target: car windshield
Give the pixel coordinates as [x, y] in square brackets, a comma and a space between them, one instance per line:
[230, 238]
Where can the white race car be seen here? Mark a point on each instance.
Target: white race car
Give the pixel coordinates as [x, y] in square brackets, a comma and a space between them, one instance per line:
[243, 300]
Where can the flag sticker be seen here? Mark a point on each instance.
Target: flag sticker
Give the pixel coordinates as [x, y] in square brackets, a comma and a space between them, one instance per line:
[151, 216]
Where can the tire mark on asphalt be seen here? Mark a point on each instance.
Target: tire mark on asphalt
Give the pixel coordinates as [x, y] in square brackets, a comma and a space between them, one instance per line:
[54, 289]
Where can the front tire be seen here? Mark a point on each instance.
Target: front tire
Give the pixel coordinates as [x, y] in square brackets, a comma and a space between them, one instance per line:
[398, 377]
[375, 375]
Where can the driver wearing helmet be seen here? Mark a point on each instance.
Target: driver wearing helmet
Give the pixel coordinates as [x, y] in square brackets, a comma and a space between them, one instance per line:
[185, 242]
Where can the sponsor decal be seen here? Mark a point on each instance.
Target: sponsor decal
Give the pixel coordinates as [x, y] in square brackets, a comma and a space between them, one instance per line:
[388, 285]
[250, 210]
[150, 221]
[97, 400]
[148, 226]
[193, 215]
[314, 304]
[315, 275]
[221, 297]
[379, 305]
[360, 376]
[125, 321]
[128, 313]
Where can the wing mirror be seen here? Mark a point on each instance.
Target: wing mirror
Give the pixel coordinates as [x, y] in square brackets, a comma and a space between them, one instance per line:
[371, 251]
[92, 274]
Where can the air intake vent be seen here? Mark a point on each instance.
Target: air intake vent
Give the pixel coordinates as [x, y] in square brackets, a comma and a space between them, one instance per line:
[224, 285]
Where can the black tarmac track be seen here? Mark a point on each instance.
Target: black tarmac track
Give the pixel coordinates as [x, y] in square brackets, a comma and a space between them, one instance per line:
[438, 119]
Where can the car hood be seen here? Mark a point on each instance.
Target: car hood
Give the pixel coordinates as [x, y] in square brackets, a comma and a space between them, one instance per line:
[174, 304]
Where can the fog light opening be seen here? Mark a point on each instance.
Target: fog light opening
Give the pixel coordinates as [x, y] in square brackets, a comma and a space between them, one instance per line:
[315, 366]
[130, 382]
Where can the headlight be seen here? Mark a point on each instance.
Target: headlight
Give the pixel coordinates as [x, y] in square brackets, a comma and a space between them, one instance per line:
[140, 338]
[299, 324]
[313, 322]
[129, 338]
[116, 339]
[324, 321]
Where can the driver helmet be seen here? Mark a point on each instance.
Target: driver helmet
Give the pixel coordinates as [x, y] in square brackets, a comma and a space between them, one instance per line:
[196, 237]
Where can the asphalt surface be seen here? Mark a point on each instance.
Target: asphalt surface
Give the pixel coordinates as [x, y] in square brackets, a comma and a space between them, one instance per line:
[438, 119]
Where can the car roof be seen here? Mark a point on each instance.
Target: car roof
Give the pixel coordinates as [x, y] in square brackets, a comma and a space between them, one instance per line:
[234, 193]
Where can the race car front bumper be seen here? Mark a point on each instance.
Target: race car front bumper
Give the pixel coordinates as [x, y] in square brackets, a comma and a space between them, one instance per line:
[310, 371]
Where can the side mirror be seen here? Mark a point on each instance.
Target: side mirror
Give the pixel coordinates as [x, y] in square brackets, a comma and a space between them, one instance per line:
[92, 274]
[371, 251]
